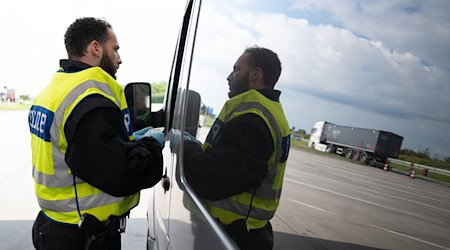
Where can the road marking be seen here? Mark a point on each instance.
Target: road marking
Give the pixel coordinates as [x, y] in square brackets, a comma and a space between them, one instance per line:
[355, 198]
[392, 183]
[398, 190]
[410, 237]
[441, 193]
[372, 191]
[374, 226]
[308, 205]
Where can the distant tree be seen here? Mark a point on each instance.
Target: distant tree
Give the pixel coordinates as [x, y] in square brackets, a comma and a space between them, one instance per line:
[423, 154]
[203, 109]
[159, 87]
[301, 131]
[25, 97]
[426, 153]
[447, 160]
[158, 91]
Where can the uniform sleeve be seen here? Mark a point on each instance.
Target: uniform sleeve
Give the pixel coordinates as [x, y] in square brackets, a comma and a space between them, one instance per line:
[238, 163]
[100, 152]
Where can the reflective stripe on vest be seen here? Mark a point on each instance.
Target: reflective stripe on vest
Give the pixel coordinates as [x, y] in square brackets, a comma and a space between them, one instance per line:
[265, 199]
[54, 183]
[60, 178]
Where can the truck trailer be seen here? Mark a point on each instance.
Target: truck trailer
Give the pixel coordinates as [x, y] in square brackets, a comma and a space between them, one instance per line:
[370, 146]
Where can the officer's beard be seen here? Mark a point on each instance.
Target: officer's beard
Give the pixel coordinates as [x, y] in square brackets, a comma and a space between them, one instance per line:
[240, 86]
[107, 65]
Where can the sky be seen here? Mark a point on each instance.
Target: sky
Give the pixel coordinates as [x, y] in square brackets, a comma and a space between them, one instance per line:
[373, 64]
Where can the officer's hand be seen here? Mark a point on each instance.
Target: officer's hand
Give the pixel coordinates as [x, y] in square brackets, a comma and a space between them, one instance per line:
[159, 136]
[188, 137]
[140, 133]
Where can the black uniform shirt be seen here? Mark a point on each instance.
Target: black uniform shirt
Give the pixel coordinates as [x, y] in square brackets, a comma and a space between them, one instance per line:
[237, 163]
[99, 150]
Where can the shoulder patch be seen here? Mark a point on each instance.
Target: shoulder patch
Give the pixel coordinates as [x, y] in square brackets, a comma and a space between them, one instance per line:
[40, 120]
[214, 133]
[127, 122]
[286, 145]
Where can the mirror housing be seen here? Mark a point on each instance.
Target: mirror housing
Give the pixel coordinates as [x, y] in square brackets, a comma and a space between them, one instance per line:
[138, 96]
[193, 112]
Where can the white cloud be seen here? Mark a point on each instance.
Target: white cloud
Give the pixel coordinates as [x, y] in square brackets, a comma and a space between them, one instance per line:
[329, 73]
[219, 43]
[325, 59]
[422, 27]
[33, 41]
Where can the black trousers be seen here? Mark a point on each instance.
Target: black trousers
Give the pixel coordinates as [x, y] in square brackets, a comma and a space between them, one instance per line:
[260, 239]
[50, 235]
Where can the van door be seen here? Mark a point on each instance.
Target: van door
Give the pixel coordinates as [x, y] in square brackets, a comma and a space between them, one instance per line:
[190, 224]
[173, 109]
[162, 191]
[179, 218]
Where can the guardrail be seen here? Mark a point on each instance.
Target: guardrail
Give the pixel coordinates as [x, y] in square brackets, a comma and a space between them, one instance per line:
[420, 166]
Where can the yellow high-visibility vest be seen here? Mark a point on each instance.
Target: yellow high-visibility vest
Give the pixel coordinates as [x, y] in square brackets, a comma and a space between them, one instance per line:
[256, 206]
[61, 195]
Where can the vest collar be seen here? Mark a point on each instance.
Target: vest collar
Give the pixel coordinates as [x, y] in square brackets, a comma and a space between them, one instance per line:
[72, 66]
[272, 94]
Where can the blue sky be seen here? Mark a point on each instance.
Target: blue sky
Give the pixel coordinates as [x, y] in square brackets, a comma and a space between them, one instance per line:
[378, 64]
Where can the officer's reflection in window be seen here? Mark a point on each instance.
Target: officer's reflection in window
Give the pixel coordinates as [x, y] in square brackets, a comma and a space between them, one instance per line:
[141, 112]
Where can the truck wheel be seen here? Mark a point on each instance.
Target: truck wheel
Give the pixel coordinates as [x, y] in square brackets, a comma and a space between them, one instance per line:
[355, 155]
[348, 153]
[363, 157]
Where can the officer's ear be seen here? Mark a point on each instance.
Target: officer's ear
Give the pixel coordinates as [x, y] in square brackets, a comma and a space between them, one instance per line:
[95, 48]
[256, 75]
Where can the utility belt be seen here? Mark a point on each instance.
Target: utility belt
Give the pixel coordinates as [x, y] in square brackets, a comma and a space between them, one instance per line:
[100, 235]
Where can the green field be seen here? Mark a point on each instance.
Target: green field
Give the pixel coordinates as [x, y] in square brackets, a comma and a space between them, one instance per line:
[303, 145]
[14, 106]
[433, 175]
[426, 162]
[158, 91]
[158, 97]
[300, 144]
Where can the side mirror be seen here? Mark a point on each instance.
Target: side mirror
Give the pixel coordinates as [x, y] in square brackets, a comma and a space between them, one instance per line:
[193, 112]
[138, 96]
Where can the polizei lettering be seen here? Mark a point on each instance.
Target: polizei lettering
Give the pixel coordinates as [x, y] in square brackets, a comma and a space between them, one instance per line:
[40, 120]
[127, 122]
[214, 132]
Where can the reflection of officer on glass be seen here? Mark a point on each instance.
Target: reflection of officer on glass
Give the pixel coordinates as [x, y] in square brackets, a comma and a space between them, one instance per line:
[239, 170]
[141, 111]
[87, 168]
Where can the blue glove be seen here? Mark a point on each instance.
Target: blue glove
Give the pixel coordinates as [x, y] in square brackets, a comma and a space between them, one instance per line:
[139, 134]
[159, 136]
[188, 137]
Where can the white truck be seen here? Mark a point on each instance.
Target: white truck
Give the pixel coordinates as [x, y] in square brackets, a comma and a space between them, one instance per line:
[369, 146]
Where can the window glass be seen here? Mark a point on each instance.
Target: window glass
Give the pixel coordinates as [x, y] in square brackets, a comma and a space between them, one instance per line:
[360, 64]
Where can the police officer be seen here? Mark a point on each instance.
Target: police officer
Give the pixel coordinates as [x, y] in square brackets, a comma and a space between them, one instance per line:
[239, 171]
[87, 168]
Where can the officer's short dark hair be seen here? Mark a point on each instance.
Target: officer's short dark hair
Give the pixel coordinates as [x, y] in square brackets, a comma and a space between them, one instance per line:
[82, 32]
[268, 61]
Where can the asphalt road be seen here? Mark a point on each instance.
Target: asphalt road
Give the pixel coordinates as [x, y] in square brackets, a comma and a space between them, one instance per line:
[333, 204]
[326, 203]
